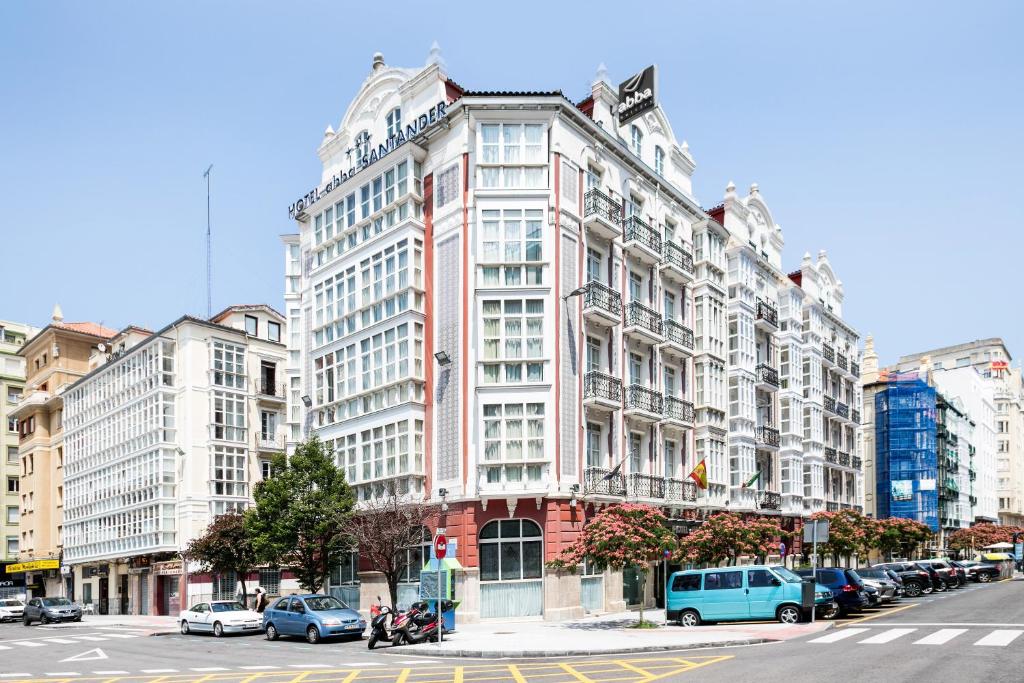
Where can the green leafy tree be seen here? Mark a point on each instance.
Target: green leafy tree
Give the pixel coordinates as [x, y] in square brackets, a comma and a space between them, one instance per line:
[847, 534]
[302, 515]
[224, 547]
[626, 535]
[900, 536]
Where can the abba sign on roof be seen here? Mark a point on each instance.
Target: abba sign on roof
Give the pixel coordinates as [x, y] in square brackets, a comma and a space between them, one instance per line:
[417, 126]
[636, 95]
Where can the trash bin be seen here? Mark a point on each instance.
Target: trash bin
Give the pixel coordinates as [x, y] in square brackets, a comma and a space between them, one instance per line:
[447, 611]
[807, 591]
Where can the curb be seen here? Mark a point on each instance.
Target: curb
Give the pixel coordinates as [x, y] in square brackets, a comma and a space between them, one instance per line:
[523, 654]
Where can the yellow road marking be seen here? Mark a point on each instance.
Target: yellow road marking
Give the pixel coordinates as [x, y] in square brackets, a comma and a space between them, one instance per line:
[576, 674]
[457, 675]
[626, 665]
[403, 676]
[514, 670]
[880, 614]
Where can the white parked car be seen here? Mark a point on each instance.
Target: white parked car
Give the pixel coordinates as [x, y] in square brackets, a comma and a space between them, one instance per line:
[220, 617]
[11, 609]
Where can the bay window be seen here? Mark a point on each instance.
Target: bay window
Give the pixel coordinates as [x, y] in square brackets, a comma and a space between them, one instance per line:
[513, 155]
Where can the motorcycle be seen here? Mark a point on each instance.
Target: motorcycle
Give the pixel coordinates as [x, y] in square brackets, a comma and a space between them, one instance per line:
[422, 625]
[390, 626]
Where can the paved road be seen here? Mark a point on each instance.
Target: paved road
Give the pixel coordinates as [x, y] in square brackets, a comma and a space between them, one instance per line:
[970, 634]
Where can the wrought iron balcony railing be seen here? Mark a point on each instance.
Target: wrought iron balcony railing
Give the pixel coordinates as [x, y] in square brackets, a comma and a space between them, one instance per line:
[768, 374]
[678, 409]
[769, 500]
[675, 255]
[598, 203]
[828, 352]
[830, 404]
[844, 459]
[636, 230]
[855, 416]
[830, 455]
[646, 486]
[841, 362]
[639, 397]
[769, 436]
[638, 315]
[601, 480]
[678, 333]
[680, 489]
[599, 385]
[855, 369]
[600, 295]
[831, 506]
[767, 312]
[856, 462]
[269, 387]
[842, 410]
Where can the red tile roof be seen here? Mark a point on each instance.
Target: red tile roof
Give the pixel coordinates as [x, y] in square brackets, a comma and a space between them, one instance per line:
[88, 328]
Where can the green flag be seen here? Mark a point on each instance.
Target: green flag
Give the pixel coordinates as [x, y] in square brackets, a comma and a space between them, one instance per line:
[752, 480]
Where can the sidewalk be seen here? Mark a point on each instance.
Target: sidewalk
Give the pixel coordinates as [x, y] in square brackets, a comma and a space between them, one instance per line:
[608, 634]
[154, 624]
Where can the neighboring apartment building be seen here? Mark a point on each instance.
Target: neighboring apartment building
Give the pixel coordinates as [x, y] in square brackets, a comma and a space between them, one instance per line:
[55, 357]
[12, 385]
[979, 373]
[514, 304]
[168, 430]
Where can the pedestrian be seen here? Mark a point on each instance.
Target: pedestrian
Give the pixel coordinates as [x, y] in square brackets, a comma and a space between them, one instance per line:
[260, 601]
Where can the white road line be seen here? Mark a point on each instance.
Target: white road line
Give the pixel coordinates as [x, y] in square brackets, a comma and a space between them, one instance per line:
[311, 666]
[64, 673]
[838, 635]
[120, 635]
[4, 647]
[15, 675]
[92, 638]
[256, 668]
[28, 643]
[60, 641]
[110, 673]
[209, 668]
[159, 671]
[1000, 638]
[413, 662]
[944, 623]
[941, 637]
[887, 636]
[361, 664]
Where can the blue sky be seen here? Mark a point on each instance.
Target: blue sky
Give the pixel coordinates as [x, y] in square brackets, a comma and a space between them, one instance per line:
[888, 133]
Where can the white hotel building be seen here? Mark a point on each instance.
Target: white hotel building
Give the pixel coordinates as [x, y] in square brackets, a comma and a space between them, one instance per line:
[516, 304]
[167, 431]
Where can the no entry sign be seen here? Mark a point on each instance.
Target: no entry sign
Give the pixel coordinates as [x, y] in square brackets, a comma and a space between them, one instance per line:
[440, 546]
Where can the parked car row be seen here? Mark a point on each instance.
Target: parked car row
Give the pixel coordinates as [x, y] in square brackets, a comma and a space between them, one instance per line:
[314, 617]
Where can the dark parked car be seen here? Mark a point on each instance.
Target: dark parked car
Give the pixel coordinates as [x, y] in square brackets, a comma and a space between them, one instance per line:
[953, 576]
[45, 610]
[888, 590]
[847, 588]
[979, 571]
[916, 580]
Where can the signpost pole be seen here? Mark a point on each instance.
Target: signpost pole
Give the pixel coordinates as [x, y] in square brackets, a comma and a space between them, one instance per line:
[440, 617]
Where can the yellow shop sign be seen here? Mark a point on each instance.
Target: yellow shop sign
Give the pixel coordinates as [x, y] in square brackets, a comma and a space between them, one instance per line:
[32, 566]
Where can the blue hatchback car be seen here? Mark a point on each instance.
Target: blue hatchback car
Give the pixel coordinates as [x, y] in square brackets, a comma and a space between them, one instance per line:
[313, 616]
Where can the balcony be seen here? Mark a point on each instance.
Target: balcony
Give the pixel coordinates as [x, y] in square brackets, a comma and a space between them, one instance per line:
[843, 410]
[855, 416]
[601, 481]
[831, 456]
[844, 459]
[642, 241]
[842, 362]
[769, 500]
[972, 475]
[602, 215]
[767, 316]
[831, 506]
[507, 477]
[678, 413]
[767, 377]
[680, 490]
[973, 500]
[830, 404]
[855, 370]
[270, 442]
[643, 403]
[602, 305]
[269, 390]
[828, 354]
[676, 263]
[856, 462]
[678, 339]
[601, 391]
[767, 436]
[644, 323]
[646, 486]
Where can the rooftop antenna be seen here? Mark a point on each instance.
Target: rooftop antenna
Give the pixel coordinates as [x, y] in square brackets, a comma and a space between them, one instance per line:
[209, 268]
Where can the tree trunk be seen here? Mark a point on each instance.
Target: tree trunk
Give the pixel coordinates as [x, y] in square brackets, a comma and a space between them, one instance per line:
[642, 577]
[392, 579]
[245, 595]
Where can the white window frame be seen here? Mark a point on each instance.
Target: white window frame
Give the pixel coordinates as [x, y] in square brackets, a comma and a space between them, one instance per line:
[510, 355]
[512, 155]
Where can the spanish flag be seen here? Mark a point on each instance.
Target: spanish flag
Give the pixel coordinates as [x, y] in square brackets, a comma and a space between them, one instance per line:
[700, 474]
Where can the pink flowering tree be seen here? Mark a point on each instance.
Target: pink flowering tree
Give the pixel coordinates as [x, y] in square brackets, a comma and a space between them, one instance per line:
[849, 533]
[727, 535]
[626, 535]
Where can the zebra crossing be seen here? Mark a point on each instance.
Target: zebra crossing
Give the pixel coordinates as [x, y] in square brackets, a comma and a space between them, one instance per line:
[998, 637]
[64, 639]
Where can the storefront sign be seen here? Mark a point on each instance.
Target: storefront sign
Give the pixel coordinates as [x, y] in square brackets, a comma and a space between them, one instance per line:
[418, 125]
[35, 565]
[170, 568]
[89, 572]
[11, 580]
[636, 95]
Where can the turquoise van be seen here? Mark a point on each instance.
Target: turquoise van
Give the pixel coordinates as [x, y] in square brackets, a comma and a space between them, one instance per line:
[737, 594]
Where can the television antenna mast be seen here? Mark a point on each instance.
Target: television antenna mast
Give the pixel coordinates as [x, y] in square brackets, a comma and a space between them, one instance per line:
[209, 266]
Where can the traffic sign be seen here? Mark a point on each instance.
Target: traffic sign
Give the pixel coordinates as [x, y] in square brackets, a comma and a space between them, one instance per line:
[782, 549]
[440, 546]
